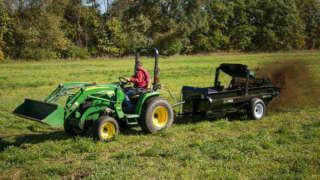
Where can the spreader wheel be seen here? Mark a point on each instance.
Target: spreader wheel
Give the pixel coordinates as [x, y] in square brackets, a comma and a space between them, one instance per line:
[106, 128]
[257, 109]
[157, 115]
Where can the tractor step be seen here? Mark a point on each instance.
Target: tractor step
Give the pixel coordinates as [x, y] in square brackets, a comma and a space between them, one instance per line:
[132, 116]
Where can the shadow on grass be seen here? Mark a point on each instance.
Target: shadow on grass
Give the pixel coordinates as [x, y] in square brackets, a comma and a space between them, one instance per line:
[189, 119]
[19, 140]
[132, 130]
[31, 139]
[202, 118]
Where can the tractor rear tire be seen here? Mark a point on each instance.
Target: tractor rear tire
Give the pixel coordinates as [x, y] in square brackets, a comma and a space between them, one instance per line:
[106, 128]
[257, 109]
[157, 115]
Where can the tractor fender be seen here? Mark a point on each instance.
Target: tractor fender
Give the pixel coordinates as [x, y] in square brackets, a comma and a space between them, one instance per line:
[143, 98]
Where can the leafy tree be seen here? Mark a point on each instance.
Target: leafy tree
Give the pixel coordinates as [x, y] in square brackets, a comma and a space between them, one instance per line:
[220, 13]
[310, 14]
[137, 30]
[39, 29]
[241, 28]
[279, 25]
[112, 40]
[3, 28]
[118, 7]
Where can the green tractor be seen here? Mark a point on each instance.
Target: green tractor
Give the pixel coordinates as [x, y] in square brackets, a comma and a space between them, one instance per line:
[100, 109]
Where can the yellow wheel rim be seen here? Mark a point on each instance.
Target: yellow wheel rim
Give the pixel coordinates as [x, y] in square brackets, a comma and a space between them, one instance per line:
[160, 116]
[107, 130]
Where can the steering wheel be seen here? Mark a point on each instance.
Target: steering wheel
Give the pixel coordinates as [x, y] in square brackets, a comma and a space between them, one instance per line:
[123, 81]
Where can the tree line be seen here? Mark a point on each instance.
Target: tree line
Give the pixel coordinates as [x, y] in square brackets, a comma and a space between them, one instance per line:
[52, 29]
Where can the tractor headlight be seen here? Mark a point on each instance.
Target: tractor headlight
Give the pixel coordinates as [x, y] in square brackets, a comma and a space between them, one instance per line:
[75, 105]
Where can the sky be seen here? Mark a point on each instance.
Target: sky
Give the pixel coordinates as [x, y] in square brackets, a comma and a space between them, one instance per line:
[102, 6]
[102, 3]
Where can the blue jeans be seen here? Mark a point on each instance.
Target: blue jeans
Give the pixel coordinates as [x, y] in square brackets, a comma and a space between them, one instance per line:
[129, 92]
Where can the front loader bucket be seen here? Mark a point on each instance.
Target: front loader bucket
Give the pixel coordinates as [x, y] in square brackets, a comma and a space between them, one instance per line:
[51, 114]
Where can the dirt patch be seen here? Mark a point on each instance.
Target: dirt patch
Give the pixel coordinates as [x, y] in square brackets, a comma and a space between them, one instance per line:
[299, 86]
[77, 175]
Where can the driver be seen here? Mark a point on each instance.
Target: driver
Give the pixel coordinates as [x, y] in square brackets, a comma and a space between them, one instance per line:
[141, 80]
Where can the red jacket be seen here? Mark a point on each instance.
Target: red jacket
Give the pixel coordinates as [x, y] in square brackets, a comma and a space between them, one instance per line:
[141, 79]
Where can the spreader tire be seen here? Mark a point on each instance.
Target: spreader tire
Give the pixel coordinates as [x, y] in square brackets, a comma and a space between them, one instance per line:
[257, 109]
[157, 114]
[105, 128]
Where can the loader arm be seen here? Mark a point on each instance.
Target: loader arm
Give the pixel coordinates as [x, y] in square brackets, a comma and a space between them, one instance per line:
[63, 90]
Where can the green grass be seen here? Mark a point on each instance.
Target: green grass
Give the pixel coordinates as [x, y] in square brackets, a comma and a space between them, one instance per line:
[281, 146]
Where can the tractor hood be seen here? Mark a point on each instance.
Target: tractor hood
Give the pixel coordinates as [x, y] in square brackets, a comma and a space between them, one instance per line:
[104, 87]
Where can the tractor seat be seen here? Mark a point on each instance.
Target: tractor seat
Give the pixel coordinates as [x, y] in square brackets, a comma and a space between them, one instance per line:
[135, 98]
[141, 91]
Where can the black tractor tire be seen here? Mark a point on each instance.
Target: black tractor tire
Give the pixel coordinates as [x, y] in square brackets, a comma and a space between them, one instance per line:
[257, 109]
[72, 130]
[157, 115]
[106, 128]
[68, 128]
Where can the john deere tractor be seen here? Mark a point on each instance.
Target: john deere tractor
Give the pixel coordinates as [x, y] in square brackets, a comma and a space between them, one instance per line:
[100, 108]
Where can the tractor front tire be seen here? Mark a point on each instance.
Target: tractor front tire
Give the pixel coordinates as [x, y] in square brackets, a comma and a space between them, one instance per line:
[106, 128]
[257, 109]
[157, 115]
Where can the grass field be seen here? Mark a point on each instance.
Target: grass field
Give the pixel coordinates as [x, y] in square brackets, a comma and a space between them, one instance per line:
[283, 145]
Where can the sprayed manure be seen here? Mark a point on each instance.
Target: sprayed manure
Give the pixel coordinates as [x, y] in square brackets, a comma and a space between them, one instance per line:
[299, 88]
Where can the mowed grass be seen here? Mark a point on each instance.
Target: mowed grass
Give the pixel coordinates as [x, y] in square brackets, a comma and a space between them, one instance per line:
[281, 146]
